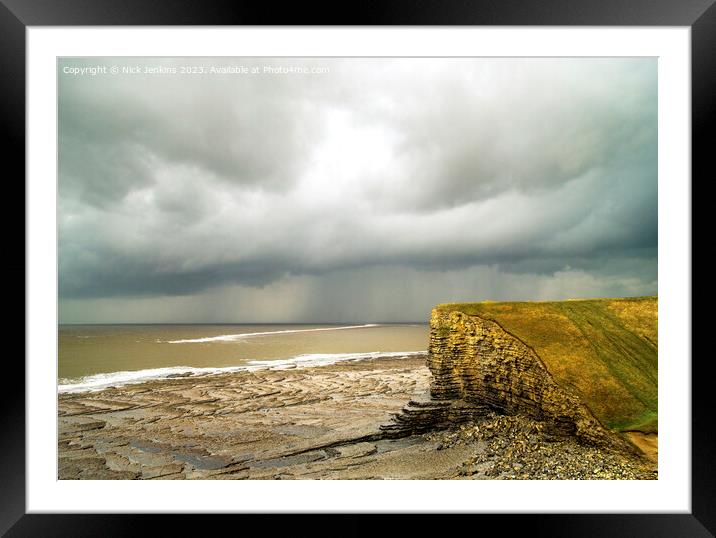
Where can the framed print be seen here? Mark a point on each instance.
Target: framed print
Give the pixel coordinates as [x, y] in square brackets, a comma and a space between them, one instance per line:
[406, 263]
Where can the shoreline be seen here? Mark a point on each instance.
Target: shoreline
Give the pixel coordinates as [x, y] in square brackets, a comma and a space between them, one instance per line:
[104, 380]
[310, 422]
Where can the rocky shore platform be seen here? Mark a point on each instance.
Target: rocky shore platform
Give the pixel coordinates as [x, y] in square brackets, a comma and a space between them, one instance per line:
[363, 419]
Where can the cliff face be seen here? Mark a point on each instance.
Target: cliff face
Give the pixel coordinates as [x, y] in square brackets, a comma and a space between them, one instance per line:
[476, 361]
[603, 351]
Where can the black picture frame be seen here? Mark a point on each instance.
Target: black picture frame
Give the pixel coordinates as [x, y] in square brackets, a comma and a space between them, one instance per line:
[699, 15]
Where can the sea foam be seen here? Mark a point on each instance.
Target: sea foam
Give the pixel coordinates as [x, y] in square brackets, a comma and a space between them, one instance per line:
[115, 379]
[240, 336]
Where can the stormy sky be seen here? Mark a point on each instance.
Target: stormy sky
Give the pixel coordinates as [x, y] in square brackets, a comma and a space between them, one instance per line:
[341, 190]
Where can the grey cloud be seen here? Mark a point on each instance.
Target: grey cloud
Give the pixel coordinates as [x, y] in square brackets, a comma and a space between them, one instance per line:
[546, 124]
[381, 293]
[176, 186]
[114, 132]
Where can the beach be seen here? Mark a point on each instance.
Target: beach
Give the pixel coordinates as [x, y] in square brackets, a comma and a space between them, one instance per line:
[294, 421]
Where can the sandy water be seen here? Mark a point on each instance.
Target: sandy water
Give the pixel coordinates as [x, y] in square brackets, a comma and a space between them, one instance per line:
[93, 356]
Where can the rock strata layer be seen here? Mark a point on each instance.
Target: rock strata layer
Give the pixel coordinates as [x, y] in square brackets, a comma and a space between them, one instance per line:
[476, 362]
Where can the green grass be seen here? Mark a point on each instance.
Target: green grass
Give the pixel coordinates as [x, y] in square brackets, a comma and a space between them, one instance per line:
[605, 350]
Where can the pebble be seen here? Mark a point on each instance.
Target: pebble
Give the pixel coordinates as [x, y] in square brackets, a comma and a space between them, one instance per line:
[517, 448]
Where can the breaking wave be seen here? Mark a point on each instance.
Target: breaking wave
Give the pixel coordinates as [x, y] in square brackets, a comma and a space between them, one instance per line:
[114, 379]
[240, 336]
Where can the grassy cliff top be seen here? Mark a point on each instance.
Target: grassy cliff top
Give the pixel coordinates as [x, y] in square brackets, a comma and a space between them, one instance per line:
[605, 350]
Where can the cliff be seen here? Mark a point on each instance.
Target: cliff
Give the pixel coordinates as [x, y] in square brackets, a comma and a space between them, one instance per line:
[579, 364]
[585, 367]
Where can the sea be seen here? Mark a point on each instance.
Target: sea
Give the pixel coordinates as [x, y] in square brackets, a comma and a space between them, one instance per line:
[93, 357]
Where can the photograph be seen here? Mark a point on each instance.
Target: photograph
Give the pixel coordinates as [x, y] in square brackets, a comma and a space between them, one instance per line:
[357, 268]
[413, 259]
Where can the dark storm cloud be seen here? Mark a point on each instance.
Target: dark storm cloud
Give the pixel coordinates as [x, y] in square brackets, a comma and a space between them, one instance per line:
[115, 132]
[174, 185]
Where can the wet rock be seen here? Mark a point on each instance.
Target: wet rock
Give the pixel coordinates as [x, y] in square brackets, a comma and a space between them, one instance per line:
[358, 450]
